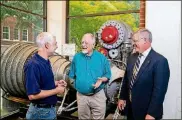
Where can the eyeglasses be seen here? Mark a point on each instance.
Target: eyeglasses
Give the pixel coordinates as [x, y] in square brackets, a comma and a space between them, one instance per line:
[136, 40]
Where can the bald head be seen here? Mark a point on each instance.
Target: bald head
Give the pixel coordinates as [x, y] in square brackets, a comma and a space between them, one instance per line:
[43, 38]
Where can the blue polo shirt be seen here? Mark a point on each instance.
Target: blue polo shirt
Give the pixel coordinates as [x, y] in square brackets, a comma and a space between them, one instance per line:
[86, 70]
[39, 76]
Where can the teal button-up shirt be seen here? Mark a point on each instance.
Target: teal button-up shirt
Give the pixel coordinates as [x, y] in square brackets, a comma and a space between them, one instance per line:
[86, 70]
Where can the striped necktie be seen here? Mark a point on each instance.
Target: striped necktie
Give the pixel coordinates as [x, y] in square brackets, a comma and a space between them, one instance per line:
[135, 70]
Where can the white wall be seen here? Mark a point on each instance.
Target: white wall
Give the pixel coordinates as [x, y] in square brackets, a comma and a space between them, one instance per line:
[56, 21]
[163, 18]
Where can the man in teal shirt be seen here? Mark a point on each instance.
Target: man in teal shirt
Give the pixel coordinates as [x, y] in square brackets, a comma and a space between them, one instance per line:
[91, 71]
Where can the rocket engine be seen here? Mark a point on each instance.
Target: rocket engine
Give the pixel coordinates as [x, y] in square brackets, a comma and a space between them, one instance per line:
[115, 40]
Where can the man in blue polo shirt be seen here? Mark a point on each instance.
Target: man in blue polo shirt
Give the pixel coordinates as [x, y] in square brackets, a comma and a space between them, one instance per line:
[91, 71]
[40, 86]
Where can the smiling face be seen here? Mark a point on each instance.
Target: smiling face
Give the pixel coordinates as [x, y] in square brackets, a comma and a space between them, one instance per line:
[138, 42]
[87, 44]
[46, 42]
[141, 41]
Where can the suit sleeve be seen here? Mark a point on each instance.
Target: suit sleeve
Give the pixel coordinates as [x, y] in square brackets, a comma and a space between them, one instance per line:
[123, 94]
[161, 79]
[124, 87]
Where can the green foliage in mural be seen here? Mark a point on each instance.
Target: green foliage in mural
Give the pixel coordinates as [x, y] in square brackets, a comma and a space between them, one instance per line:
[80, 26]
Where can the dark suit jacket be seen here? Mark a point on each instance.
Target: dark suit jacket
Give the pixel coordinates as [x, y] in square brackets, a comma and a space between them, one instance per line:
[150, 85]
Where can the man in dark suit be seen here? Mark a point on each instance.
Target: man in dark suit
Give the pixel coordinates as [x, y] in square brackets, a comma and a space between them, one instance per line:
[145, 81]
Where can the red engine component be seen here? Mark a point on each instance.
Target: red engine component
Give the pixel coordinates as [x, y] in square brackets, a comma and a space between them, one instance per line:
[109, 34]
[103, 51]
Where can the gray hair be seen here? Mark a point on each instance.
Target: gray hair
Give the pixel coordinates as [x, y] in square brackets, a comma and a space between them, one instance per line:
[149, 34]
[92, 36]
[43, 38]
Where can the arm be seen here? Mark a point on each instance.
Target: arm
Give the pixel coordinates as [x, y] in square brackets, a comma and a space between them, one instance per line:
[32, 81]
[123, 92]
[107, 71]
[161, 79]
[106, 76]
[125, 80]
[124, 89]
[46, 93]
[72, 69]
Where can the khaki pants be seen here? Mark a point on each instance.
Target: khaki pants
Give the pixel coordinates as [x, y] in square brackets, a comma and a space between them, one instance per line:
[91, 107]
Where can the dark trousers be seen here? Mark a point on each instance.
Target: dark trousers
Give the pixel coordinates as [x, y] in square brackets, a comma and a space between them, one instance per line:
[130, 113]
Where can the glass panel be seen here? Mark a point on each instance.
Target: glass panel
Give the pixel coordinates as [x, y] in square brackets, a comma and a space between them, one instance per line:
[21, 20]
[91, 7]
[25, 35]
[5, 29]
[32, 6]
[16, 34]
[5, 36]
[80, 26]
[5, 32]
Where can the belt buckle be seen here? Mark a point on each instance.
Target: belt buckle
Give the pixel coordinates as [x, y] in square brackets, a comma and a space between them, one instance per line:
[42, 105]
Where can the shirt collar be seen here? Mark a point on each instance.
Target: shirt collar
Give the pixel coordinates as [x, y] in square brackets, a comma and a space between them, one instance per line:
[41, 59]
[89, 55]
[146, 52]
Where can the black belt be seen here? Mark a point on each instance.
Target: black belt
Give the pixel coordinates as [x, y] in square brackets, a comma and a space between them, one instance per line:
[43, 105]
[90, 94]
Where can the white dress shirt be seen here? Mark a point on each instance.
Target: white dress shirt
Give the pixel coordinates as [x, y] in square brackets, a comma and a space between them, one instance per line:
[144, 55]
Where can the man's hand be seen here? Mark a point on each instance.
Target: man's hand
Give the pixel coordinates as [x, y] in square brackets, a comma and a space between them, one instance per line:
[60, 89]
[56, 83]
[121, 104]
[149, 117]
[61, 83]
[99, 82]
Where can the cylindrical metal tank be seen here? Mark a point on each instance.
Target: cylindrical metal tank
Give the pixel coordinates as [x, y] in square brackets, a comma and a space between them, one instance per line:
[13, 60]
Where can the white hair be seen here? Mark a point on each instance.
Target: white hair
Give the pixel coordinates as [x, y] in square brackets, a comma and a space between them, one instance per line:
[92, 36]
[43, 38]
[144, 30]
[149, 33]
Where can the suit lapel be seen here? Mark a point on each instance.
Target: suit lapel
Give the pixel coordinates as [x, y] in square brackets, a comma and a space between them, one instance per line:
[144, 65]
